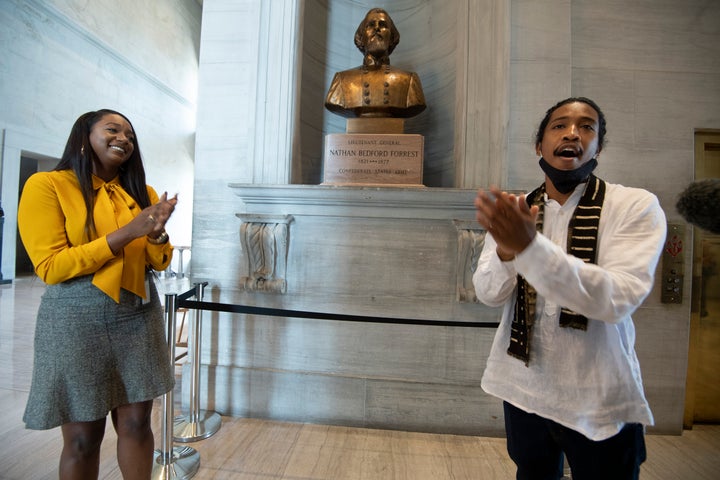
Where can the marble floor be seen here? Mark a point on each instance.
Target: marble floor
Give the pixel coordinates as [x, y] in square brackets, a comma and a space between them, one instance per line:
[254, 449]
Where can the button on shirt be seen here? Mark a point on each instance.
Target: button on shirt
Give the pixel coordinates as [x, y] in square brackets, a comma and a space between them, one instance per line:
[590, 380]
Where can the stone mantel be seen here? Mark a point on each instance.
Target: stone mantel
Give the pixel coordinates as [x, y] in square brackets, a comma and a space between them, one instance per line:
[358, 201]
[397, 212]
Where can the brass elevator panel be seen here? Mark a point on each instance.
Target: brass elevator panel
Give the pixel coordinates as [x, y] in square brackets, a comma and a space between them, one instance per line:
[673, 264]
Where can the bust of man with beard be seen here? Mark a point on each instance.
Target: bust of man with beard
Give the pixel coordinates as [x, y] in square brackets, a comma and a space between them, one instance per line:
[375, 89]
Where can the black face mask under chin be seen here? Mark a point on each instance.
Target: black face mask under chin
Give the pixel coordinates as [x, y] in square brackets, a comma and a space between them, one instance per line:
[565, 181]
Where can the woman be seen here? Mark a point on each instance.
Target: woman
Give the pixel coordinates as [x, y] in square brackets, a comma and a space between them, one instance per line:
[93, 230]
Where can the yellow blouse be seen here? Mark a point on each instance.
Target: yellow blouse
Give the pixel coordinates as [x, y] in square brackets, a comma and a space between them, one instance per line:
[51, 221]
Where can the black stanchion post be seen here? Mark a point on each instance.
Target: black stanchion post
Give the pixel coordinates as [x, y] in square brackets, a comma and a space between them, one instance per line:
[198, 424]
[172, 462]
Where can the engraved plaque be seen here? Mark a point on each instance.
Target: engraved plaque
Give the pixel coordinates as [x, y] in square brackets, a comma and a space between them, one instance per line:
[373, 159]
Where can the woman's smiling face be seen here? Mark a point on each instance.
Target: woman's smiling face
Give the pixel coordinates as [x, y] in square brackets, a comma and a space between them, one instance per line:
[111, 138]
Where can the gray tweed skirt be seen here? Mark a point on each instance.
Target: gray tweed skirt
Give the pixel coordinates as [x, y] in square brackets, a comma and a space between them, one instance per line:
[93, 355]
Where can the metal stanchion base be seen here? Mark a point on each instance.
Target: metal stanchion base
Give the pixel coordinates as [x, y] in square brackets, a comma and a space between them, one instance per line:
[184, 464]
[185, 430]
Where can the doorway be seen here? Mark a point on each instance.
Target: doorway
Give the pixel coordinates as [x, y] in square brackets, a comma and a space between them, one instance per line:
[702, 403]
[29, 164]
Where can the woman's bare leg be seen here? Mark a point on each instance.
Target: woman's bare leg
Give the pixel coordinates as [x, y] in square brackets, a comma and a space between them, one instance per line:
[80, 458]
[136, 443]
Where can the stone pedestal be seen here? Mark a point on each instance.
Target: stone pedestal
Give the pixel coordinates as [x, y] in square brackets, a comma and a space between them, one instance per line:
[373, 160]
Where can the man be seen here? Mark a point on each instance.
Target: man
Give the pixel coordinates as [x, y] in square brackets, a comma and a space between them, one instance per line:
[570, 262]
[375, 89]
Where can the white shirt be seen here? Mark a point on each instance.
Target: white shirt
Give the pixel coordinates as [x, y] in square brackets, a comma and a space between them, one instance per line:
[588, 381]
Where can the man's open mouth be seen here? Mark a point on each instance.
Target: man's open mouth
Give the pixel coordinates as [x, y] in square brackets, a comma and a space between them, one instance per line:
[568, 152]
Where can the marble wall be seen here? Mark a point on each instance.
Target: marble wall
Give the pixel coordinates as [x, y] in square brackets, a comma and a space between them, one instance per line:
[652, 66]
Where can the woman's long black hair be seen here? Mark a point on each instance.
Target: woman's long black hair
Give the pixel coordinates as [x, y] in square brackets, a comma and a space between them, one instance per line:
[79, 156]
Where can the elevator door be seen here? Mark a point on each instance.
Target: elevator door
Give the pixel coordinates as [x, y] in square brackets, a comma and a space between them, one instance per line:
[703, 399]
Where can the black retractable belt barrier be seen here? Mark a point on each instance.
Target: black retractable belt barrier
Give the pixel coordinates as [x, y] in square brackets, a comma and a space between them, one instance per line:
[183, 462]
[278, 312]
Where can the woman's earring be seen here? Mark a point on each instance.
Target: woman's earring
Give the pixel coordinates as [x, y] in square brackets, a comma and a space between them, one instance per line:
[82, 150]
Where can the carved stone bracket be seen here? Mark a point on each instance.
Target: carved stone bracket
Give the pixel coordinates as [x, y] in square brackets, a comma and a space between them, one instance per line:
[265, 240]
[471, 238]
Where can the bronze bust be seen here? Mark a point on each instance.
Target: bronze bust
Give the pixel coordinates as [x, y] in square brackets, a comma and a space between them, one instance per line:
[376, 89]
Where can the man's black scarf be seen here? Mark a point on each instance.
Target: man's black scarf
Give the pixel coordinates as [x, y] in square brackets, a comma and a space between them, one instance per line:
[581, 242]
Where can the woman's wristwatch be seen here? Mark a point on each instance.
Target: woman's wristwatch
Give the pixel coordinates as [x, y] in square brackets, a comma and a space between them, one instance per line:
[160, 239]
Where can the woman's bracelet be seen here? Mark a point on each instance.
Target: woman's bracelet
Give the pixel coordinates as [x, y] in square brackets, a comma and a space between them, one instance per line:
[160, 240]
